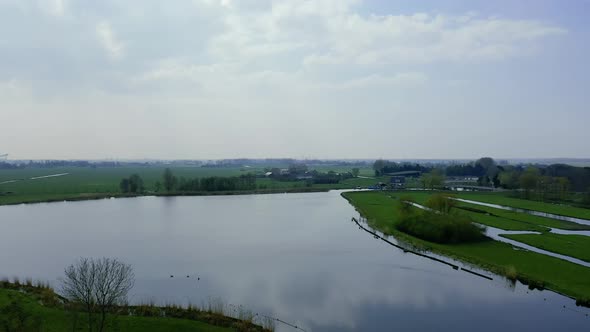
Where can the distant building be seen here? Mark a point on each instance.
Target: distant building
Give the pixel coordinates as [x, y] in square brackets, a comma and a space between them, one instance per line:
[397, 182]
[466, 179]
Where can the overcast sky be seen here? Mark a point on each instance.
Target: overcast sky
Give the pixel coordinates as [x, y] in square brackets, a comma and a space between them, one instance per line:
[305, 79]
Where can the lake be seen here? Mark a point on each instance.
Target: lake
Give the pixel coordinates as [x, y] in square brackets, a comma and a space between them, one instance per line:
[296, 257]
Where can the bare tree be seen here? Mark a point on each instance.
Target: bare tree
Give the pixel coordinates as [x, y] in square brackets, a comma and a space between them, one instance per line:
[98, 284]
[114, 280]
[79, 285]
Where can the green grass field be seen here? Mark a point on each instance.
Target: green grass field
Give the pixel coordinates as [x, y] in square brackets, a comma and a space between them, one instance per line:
[58, 320]
[571, 245]
[86, 182]
[502, 199]
[99, 180]
[527, 218]
[380, 210]
[504, 219]
[482, 218]
[504, 223]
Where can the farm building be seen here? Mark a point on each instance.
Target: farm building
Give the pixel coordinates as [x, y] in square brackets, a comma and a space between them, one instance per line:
[397, 182]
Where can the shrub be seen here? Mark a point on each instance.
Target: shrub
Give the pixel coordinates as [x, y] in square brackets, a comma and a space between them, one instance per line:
[15, 317]
[584, 302]
[440, 228]
[441, 203]
[511, 273]
[405, 206]
[147, 310]
[534, 284]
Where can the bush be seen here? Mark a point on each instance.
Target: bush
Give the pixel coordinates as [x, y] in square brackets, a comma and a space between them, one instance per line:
[15, 317]
[405, 206]
[534, 284]
[441, 203]
[440, 228]
[586, 197]
[511, 273]
[584, 302]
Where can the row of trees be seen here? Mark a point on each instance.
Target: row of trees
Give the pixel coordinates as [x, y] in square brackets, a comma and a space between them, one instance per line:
[132, 184]
[384, 167]
[5, 165]
[531, 180]
[552, 182]
[214, 183]
[298, 172]
[171, 183]
[330, 177]
[61, 163]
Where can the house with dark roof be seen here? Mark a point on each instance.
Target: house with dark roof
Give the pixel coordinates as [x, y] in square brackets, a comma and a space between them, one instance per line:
[397, 182]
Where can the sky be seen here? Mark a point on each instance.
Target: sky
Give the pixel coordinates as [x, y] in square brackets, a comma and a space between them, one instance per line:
[212, 79]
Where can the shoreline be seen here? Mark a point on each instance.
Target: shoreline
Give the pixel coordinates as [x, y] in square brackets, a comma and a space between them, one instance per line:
[44, 302]
[75, 197]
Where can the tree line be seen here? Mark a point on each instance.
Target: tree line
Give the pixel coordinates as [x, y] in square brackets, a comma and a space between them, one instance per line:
[384, 167]
[541, 182]
[133, 184]
[171, 183]
[298, 172]
[63, 163]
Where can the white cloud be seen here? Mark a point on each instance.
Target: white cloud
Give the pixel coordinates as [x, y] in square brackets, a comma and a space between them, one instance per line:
[289, 44]
[58, 7]
[109, 41]
[55, 8]
[205, 61]
[423, 39]
[409, 79]
[332, 32]
[15, 90]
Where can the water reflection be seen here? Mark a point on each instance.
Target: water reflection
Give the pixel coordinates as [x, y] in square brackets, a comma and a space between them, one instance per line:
[296, 257]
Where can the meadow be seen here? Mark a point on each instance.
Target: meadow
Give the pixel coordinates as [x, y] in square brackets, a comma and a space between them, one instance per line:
[89, 183]
[499, 218]
[504, 199]
[577, 246]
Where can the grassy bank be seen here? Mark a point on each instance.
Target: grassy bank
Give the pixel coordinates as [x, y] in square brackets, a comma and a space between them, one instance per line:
[37, 308]
[529, 267]
[577, 246]
[48, 198]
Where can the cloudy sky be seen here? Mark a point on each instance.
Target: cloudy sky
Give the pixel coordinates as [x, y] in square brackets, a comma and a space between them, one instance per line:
[305, 79]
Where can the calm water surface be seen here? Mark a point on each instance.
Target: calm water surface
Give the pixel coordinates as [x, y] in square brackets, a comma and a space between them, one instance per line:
[294, 256]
